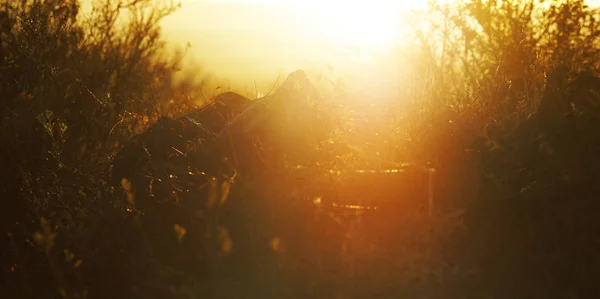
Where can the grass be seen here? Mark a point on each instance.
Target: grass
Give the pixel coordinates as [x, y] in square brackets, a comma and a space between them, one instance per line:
[511, 211]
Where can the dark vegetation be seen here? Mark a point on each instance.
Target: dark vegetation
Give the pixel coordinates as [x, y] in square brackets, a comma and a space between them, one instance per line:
[499, 125]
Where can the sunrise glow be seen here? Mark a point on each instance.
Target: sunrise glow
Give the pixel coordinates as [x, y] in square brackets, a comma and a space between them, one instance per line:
[250, 41]
[371, 25]
[363, 27]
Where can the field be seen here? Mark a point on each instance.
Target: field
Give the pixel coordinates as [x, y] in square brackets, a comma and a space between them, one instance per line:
[476, 178]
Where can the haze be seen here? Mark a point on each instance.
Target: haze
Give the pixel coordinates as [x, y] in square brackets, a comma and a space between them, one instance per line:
[247, 44]
[247, 41]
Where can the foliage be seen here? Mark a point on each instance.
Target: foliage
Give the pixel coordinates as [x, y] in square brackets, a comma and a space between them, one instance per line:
[499, 113]
[520, 75]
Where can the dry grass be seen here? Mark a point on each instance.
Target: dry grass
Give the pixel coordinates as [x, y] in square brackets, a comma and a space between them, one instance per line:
[510, 214]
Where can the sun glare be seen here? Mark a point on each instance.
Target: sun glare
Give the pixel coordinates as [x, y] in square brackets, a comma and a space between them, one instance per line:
[279, 36]
[371, 26]
[364, 26]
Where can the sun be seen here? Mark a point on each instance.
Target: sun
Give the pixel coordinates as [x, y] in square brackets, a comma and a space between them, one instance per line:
[367, 25]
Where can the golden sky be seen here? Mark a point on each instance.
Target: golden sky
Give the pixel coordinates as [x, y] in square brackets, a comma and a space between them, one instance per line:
[260, 39]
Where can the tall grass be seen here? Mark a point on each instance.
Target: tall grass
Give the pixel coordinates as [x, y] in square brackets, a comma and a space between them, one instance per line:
[510, 213]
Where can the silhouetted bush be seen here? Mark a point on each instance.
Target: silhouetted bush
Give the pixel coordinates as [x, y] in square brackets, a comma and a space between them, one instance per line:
[512, 82]
[73, 87]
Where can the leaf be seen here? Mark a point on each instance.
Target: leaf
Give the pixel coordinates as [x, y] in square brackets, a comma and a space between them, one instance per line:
[226, 242]
[180, 231]
[212, 197]
[126, 184]
[225, 189]
[276, 245]
[38, 238]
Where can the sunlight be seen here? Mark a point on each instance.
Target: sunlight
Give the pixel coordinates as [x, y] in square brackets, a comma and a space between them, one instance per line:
[362, 27]
[358, 38]
[370, 26]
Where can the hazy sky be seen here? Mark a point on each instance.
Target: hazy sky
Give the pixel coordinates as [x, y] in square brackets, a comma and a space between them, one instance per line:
[246, 40]
[259, 39]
